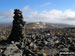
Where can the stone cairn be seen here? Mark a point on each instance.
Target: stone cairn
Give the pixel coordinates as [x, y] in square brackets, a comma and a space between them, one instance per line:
[16, 40]
[17, 32]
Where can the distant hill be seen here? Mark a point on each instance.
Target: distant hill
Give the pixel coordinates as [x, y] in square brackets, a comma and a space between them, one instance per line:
[36, 25]
[48, 25]
[5, 25]
[39, 25]
[57, 25]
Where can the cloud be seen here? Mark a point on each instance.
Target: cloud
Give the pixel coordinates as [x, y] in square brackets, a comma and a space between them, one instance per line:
[7, 14]
[46, 4]
[25, 8]
[53, 16]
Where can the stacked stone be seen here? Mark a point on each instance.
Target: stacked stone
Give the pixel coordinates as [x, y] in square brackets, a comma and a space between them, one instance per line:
[17, 32]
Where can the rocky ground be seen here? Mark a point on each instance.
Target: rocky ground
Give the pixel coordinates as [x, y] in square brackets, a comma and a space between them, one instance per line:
[36, 42]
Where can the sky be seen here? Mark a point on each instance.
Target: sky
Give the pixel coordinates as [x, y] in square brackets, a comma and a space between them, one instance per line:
[52, 11]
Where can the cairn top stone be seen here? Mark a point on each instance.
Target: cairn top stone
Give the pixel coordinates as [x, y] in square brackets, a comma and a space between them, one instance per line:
[17, 11]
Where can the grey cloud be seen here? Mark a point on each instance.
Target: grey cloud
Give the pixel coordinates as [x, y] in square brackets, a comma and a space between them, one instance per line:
[7, 14]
